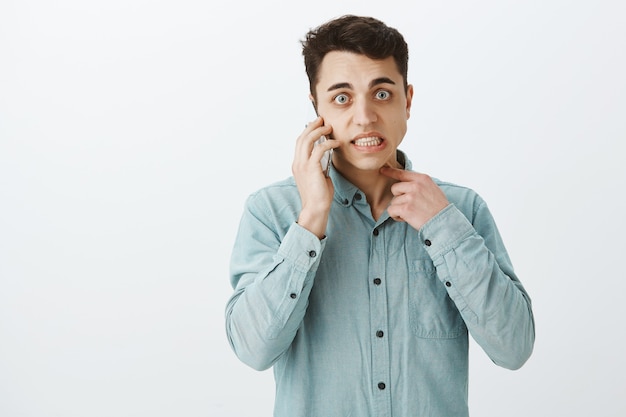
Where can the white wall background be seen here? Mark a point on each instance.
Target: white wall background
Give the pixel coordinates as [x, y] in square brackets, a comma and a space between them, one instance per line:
[131, 132]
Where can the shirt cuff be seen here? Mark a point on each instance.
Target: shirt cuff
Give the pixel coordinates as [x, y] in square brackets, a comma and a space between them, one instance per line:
[301, 248]
[443, 232]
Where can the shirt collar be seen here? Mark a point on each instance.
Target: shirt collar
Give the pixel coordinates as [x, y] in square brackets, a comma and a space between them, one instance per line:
[345, 191]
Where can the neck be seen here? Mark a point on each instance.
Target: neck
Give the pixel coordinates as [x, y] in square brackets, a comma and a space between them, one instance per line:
[375, 186]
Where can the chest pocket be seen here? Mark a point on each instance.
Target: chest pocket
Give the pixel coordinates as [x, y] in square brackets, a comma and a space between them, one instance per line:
[432, 314]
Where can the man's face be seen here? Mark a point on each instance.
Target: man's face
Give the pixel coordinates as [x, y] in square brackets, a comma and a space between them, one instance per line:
[365, 103]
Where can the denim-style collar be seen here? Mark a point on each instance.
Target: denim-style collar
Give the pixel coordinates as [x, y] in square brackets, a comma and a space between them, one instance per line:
[347, 193]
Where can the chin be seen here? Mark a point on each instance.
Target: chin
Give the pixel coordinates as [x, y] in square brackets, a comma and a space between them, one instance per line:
[362, 163]
[370, 165]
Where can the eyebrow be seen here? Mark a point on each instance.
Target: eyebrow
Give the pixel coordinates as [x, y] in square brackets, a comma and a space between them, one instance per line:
[380, 80]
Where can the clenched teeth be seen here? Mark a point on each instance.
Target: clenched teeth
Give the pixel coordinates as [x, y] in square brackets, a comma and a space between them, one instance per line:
[372, 141]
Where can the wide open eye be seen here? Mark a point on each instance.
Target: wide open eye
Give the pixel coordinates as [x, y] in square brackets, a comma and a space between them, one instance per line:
[383, 95]
[340, 99]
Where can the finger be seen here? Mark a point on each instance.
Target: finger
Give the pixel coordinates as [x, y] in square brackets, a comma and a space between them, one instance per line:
[315, 130]
[320, 148]
[402, 187]
[308, 129]
[326, 145]
[317, 149]
[398, 202]
[306, 141]
[394, 212]
[397, 174]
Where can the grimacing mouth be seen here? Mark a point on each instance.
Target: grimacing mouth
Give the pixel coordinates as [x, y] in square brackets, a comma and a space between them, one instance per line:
[366, 141]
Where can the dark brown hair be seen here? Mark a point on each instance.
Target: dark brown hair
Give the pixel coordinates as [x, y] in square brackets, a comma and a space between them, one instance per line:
[358, 34]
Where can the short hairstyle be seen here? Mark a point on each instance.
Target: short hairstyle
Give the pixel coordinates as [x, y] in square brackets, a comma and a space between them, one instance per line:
[358, 34]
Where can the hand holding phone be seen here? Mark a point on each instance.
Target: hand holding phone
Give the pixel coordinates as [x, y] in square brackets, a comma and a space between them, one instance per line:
[316, 191]
[326, 158]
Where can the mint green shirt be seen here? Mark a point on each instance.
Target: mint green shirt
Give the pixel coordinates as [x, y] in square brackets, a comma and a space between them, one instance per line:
[373, 320]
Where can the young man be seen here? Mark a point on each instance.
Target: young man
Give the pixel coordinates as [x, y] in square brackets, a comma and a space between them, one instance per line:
[360, 288]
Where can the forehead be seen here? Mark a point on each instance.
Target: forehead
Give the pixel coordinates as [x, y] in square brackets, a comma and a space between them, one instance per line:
[355, 69]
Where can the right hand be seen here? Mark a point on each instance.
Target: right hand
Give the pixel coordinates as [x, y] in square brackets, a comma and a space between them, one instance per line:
[316, 190]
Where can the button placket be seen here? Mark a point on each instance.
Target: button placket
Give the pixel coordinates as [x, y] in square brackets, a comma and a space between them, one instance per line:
[379, 319]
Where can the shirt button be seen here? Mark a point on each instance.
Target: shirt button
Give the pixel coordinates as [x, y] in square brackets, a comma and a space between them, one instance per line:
[381, 386]
[448, 284]
[293, 295]
[380, 333]
[312, 254]
[377, 281]
[345, 202]
[357, 197]
[427, 242]
[375, 232]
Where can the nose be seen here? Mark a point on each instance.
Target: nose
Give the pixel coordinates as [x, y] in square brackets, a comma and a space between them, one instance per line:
[364, 113]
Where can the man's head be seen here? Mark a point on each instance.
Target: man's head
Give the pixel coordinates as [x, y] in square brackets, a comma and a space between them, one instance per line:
[361, 35]
[357, 67]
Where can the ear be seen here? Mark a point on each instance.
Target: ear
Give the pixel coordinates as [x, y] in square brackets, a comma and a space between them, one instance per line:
[313, 102]
[409, 99]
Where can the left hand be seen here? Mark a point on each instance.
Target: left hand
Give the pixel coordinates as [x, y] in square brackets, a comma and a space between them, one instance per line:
[416, 197]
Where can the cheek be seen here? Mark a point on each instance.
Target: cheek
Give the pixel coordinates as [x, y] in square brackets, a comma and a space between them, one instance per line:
[400, 128]
[338, 125]
[400, 125]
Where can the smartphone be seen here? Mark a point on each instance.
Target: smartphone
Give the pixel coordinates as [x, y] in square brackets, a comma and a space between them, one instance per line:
[327, 158]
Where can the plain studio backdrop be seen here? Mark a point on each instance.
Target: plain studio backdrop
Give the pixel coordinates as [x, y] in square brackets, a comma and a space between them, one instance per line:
[131, 132]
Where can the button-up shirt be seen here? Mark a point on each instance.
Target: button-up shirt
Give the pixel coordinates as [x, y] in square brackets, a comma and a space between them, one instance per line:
[373, 319]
